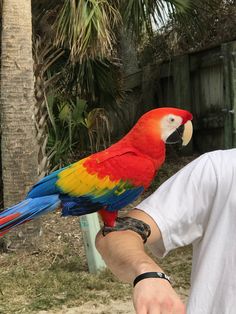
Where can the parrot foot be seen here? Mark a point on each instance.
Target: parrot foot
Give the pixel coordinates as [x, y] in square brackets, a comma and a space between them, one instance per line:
[129, 223]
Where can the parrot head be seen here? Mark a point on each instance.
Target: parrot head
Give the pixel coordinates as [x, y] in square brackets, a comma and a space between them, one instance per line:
[159, 127]
[176, 126]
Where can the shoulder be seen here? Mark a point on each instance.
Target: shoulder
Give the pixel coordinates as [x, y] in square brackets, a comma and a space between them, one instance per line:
[223, 160]
[214, 161]
[222, 155]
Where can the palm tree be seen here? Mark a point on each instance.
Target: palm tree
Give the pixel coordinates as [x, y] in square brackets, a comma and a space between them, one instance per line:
[18, 144]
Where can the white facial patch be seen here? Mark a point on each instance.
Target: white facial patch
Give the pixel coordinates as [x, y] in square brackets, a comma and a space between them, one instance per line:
[169, 124]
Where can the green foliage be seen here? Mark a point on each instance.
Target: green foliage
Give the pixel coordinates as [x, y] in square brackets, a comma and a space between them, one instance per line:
[141, 15]
[83, 125]
[72, 127]
[98, 126]
[208, 23]
[67, 128]
[212, 22]
[97, 80]
[87, 28]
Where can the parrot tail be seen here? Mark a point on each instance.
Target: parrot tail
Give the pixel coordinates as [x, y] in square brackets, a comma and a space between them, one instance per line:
[27, 210]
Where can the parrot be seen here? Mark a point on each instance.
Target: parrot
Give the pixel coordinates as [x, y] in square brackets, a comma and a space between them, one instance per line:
[106, 181]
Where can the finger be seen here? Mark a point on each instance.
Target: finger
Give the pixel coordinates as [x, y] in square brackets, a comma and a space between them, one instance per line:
[154, 311]
[173, 308]
[167, 307]
[167, 311]
[143, 309]
[180, 309]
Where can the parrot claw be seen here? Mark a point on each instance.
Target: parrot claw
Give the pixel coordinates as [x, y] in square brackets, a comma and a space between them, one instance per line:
[129, 223]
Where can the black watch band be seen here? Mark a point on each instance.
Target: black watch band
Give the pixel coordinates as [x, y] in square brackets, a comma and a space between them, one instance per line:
[151, 275]
[129, 223]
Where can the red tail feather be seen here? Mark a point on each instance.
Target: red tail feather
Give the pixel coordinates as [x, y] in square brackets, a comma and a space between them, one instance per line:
[8, 218]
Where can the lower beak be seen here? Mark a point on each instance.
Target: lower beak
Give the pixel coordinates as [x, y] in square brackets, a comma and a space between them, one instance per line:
[181, 135]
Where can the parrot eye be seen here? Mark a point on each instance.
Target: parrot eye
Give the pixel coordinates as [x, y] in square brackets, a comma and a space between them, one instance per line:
[171, 119]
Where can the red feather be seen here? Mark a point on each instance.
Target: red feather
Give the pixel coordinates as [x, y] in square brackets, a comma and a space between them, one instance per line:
[8, 218]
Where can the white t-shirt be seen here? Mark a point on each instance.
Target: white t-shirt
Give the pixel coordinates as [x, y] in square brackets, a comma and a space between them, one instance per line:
[198, 205]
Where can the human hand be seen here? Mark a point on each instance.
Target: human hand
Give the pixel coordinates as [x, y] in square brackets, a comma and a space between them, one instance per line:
[156, 296]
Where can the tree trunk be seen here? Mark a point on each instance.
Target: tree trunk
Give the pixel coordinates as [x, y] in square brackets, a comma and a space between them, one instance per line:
[19, 147]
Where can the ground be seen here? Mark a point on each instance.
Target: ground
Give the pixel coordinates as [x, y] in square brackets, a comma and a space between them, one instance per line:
[53, 278]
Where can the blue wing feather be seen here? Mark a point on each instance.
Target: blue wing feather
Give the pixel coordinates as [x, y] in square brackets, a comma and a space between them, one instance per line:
[76, 206]
[46, 186]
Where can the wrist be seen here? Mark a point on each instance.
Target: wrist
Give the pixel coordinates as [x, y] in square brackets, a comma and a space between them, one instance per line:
[147, 266]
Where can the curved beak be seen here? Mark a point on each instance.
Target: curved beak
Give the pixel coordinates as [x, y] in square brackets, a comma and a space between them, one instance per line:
[181, 135]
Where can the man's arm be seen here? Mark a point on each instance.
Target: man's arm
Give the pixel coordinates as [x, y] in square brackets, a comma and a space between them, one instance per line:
[124, 254]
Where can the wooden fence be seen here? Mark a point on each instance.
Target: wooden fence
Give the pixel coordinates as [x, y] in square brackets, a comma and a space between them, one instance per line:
[203, 82]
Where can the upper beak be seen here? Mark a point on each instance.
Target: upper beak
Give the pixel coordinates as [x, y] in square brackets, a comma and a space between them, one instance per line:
[181, 135]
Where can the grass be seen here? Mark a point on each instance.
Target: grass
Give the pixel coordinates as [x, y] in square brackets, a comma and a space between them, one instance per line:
[28, 286]
[56, 274]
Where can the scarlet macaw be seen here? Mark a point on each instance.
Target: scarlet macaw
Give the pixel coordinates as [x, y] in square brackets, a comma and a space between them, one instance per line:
[108, 180]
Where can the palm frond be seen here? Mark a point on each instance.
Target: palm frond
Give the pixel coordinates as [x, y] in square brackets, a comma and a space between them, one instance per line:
[141, 15]
[86, 27]
[99, 81]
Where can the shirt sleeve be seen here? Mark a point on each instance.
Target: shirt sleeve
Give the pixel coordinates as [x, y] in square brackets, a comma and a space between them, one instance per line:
[181, 206]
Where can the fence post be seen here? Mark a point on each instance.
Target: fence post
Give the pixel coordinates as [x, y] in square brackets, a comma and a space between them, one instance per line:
[233, 87]
[229, 72]
[182, 87]
[150, 73]
[90, 226]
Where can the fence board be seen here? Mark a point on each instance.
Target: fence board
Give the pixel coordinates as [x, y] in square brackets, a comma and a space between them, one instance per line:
[233, 88]
[226, 53]
[207, 58]
[182, 88]
[181, 81]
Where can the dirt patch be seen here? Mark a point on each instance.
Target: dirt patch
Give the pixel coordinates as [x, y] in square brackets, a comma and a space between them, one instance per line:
[114, 307]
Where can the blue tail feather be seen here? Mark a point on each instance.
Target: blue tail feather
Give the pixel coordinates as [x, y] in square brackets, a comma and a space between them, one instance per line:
[27, 210]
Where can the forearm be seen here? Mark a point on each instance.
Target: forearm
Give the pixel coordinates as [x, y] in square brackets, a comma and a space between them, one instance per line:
[124, 254]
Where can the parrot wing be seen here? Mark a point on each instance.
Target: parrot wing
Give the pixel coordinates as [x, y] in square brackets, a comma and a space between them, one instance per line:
[102, 180]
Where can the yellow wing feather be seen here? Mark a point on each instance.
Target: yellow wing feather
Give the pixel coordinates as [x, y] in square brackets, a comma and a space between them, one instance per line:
[76, 181]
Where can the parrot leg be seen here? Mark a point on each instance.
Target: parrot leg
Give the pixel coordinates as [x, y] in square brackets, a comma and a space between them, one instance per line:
[129, 223]
[108, 218]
